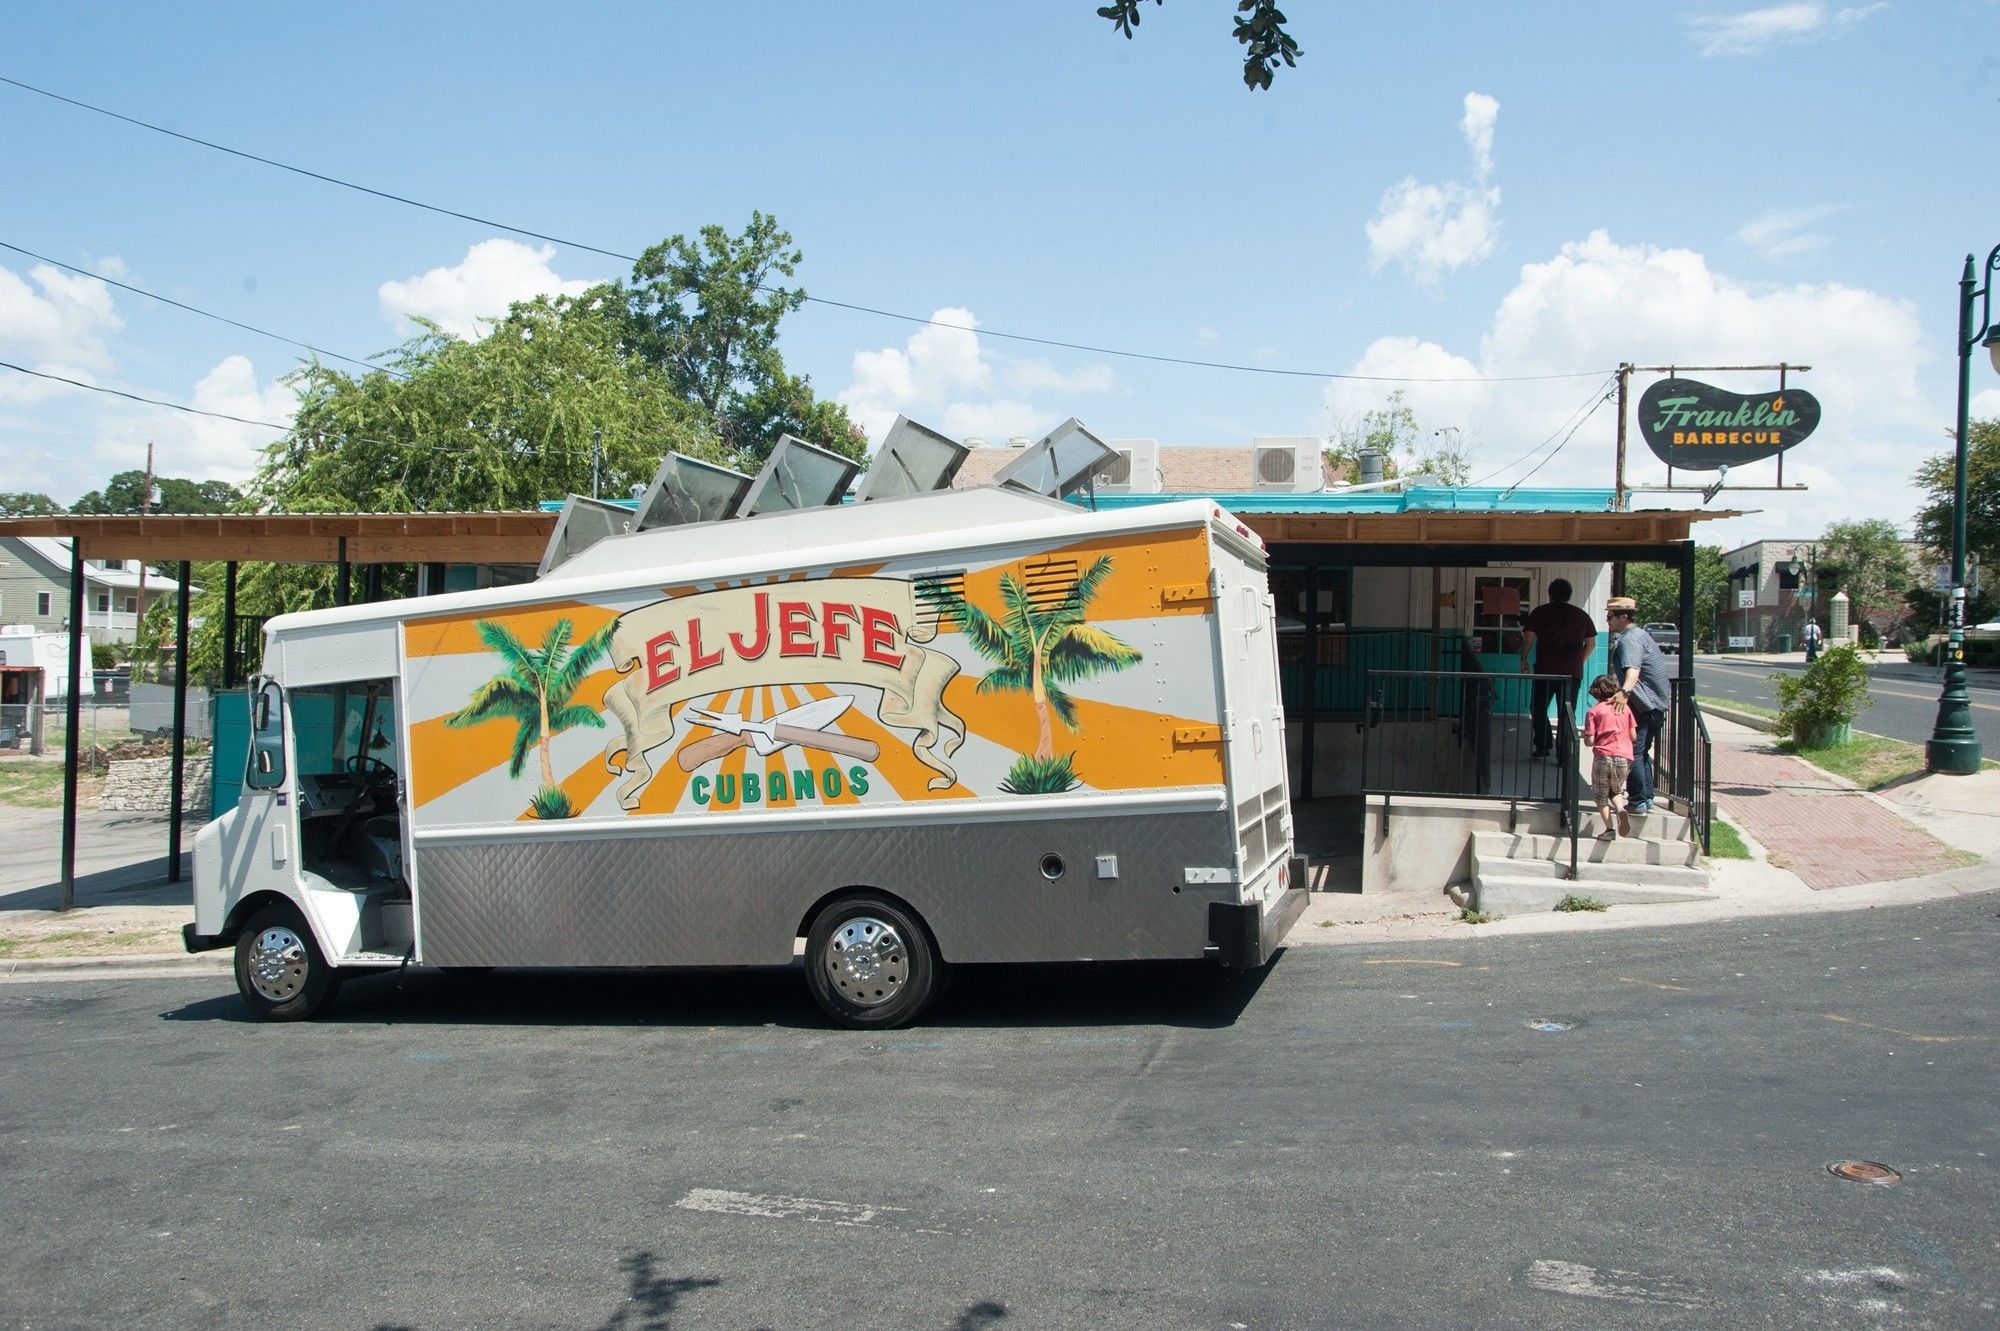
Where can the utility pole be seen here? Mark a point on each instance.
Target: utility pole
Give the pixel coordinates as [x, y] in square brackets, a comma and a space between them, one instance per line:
[1624, 385]
[145, 507]
[596, 461]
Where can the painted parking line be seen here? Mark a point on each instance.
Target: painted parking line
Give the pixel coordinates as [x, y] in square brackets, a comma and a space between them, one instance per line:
[812, 1210]
[1590, 1282]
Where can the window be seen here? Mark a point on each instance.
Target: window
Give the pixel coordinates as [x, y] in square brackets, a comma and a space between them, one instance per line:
[114, 565]
[1788, 581]
[1497, 607]
[104, 603]
[42, 604]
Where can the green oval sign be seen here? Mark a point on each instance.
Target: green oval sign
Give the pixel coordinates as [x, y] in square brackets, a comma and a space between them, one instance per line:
[1694, 426]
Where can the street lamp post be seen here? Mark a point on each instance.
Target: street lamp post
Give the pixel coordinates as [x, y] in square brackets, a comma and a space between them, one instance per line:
[1953, 746]
[1805, 577]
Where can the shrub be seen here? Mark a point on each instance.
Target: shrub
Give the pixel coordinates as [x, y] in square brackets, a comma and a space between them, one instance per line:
[1830, 694]
[1573, 902]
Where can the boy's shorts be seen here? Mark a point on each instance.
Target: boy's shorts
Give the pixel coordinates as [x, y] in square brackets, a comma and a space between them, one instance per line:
[1607, 778]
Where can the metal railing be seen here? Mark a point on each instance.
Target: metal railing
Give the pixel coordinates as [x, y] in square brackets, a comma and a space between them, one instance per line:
[1468, 734]
[1684, 760]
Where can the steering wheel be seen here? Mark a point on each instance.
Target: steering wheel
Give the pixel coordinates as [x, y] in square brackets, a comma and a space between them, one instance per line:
[370, 768]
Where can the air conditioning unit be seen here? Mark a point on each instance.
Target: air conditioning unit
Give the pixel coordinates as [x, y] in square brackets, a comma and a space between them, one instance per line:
[1137, 470]
[1288, 464]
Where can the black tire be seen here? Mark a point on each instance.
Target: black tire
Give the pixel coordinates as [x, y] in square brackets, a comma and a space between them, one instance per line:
[871, 964]
[279, 969]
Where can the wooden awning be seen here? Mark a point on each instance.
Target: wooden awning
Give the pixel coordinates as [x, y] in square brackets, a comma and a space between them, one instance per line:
[303, 538]
[521, 537]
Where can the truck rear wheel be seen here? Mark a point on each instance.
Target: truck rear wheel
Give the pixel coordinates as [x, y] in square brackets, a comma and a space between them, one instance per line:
[279, 969]
[870, 963]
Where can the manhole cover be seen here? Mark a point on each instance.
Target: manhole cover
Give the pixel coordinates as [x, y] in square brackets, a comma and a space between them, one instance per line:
[1865, 1171]
[1549, 1025]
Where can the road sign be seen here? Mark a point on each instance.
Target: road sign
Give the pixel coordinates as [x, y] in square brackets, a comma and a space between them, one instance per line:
[1736, 642]
[1746, 598]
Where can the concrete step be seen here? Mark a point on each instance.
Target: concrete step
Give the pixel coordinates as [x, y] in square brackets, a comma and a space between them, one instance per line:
[1518, 847]
[1508, 894]
[1657, 825]
[1672, 876]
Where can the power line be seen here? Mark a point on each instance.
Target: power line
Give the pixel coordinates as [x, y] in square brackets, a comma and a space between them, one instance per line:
[206, 314]
[1586, 403]
[149, 401]
[1559, 447]
[294, 430]
[817, 300]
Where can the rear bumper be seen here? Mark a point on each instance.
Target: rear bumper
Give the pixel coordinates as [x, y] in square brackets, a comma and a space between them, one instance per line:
[195, 942]
[1246, 936]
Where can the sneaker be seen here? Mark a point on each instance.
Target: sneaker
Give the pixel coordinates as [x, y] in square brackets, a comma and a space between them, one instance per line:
[1607, 834]
[1644, 807]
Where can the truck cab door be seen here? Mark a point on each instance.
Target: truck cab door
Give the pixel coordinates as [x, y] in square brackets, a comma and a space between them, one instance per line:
[260, 850]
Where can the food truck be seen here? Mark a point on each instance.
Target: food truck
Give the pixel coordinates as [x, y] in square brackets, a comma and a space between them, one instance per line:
[940, 728]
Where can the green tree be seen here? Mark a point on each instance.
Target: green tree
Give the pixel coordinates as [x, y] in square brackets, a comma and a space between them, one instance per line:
[1935, 477]
[706, 313]
[533, 691]
[1039, 649]
[1260, 27]
[1868, 561]
[501, 423]
[27, 504]
[1657, 589]
[1392, 431]
[126, 493]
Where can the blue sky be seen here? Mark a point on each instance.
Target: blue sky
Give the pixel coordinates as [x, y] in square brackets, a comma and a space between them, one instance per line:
[1469, 191]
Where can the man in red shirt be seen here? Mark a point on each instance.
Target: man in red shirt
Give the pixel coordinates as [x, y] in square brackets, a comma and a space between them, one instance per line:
[1560, 636]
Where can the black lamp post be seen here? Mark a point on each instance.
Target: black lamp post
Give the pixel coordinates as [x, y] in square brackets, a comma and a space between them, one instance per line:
[1953, 746]
[1805, 579]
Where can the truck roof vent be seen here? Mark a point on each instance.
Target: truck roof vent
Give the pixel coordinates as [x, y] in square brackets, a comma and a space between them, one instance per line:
[797, 475]
[913, 459]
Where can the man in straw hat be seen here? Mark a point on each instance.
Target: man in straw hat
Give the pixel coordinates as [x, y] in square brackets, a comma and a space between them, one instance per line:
[1641, 671]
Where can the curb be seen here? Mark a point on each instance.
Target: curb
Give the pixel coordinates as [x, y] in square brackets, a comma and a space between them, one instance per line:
[141, 965]
[1749, 719]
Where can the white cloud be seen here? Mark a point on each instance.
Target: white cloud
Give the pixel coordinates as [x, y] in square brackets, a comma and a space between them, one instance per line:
[1206, 334]
[464, 298]
[1477, 126]
[1755, 31]
[1781, 233]
[1432, 229]
[1596, 303]
[61, 328]
[224, 449]
[944, 377]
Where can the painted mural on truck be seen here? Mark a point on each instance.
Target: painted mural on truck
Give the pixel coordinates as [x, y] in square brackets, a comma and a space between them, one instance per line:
[1084, 668]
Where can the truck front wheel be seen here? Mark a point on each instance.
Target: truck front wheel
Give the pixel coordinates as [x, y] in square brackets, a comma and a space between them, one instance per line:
[279, 969]
[870, 963]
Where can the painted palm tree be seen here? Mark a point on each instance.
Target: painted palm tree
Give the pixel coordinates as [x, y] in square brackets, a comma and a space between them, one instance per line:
[533, 692]
[1039, 649]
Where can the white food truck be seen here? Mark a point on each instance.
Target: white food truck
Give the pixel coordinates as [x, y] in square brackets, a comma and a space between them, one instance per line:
[958, 726]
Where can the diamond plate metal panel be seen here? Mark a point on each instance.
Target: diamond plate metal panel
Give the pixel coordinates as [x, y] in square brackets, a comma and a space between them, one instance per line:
[686, 898]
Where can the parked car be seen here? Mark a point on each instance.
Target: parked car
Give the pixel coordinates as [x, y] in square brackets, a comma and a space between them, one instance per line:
[1667, 635]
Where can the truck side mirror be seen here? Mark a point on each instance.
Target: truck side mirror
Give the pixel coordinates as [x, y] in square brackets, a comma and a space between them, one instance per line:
[261, 712]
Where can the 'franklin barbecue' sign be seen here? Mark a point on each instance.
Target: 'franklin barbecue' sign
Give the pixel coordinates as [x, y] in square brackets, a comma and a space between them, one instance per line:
[1700, 427]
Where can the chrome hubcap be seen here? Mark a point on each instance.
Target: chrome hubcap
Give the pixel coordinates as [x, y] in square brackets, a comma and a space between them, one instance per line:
[278, 964]
[867, 961]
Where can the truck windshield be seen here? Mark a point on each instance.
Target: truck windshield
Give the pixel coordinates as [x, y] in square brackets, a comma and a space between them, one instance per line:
[334, 723]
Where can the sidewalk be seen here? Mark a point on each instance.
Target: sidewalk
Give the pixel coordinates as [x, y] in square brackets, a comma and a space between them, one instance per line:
[1818, 843]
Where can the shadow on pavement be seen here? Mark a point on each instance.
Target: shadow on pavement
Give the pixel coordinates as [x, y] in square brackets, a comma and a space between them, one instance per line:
[141, 884]
[1190, 994]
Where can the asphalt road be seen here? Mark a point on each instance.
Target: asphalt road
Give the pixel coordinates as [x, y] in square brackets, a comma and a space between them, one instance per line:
[1906, 697]
[1618, 1129]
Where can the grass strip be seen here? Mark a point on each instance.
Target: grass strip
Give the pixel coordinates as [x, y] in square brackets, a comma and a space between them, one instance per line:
[1725, 842]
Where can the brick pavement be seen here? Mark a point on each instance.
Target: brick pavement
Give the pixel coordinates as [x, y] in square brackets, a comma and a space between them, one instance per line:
[1828, 834]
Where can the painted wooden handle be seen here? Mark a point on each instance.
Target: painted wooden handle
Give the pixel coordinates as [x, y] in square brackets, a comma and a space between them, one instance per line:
[694, 755]
[867, 750]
